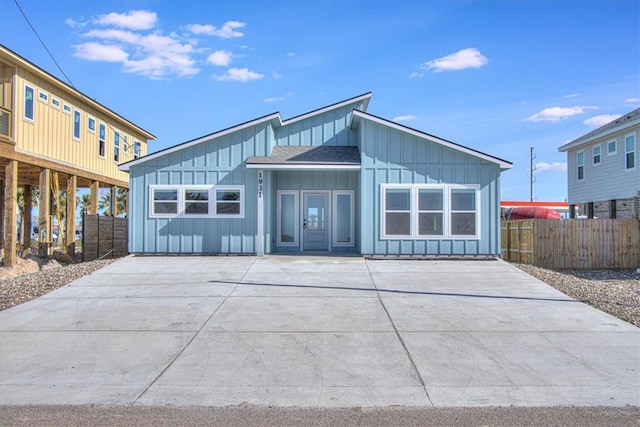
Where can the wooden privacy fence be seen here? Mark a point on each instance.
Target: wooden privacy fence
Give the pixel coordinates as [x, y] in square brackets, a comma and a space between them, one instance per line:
[573, 243]
[103, 237]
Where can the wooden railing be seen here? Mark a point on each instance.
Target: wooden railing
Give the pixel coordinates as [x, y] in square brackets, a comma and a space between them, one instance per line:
[573, 243]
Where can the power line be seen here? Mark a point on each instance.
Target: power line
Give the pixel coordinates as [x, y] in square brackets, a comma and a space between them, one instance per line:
[24, 15]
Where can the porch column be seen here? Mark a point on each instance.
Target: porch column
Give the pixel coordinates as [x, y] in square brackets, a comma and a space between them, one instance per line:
[260, 214]
[93, 206]
[26, 217]
[113, 209]
[70, 236]
[44, 212]
[10, 212]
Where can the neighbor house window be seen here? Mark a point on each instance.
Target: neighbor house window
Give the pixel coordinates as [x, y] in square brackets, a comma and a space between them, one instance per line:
[630, 151]
[429, 211]
[597, 155]
[228, 201]
[116, 146]
[196, 201]
[580, 163]
[91, 124]
[102, 140]
[76, 124]
[28, 102]
[43, 96]
[66, 108]
[136, 149]
[55, 102]
[612, 148]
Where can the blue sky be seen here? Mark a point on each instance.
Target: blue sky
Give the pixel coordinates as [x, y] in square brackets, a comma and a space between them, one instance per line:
[496, 76]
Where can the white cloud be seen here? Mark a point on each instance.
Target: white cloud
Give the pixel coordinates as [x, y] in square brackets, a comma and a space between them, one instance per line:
[601, 120]
[405, 118]
[279, 98]
[291, 54]
[632, 101]
[220, 58]
[415, 75]
[227, 31]
[238, 74]
[134, 20]
[571, 95]
[100, 52]
[551, 167]
[465, 58]
[555, 114]
[119, 35]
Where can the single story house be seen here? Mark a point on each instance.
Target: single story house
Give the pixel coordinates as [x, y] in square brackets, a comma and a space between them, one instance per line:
[336, 179]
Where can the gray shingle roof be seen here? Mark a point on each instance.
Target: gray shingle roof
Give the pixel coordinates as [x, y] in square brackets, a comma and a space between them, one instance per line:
[309, 155]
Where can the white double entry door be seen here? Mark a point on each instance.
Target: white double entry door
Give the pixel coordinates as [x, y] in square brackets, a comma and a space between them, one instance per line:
[316, 220]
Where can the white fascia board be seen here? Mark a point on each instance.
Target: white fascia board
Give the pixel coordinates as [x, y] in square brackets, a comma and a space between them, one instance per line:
[502, 163]
[267, 166]
[578, 142]
[364, 98]
[274, 116]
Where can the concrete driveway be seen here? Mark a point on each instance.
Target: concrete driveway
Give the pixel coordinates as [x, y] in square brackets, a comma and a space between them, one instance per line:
[314, 331]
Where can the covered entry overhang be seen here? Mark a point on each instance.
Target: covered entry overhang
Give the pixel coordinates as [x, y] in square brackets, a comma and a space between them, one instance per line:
[318, 218]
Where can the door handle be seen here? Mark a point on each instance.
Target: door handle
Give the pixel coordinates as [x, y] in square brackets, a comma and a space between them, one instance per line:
[304, 223]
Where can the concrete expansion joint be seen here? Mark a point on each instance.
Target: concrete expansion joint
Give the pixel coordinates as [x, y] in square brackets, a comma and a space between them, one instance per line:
[182, 350]
[395, 329]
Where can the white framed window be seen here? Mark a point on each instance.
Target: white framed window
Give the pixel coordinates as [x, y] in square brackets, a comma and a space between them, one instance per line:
[116, 146]
[102, 140]
[29, 99]
[55, 103]
[597, 155]
[136, 149]
[91, 124]
[580, 165]
[196, 201]
[612, 147]
[343, 218]
[630, 151]
[43, 96]
[430, 211]
[229, 201]
[287, 224]
[76, 124]
[66, 108]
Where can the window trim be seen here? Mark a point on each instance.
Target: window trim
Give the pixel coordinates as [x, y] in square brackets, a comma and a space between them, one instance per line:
[137, 148]
[102, 140]
[89, 119]
[334, 219]
[43, 96]
[447, 211]
[181, 209]
[77, 126]
[599, 155]
[615, 147]
[66, 108]
[55, 103]
[33, 103]
[627, 152]
[580, 165]
[116, 147]
[296, 218]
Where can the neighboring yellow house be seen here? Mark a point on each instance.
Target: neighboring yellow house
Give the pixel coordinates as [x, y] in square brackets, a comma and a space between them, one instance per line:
[56, 138]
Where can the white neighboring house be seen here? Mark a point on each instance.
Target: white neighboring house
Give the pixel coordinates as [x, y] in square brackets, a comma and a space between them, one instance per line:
[603, 175]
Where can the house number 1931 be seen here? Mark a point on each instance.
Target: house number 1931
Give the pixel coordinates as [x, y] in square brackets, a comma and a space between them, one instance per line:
[260, 184]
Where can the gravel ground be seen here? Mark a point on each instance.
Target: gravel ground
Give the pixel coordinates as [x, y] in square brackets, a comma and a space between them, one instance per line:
[616, 292]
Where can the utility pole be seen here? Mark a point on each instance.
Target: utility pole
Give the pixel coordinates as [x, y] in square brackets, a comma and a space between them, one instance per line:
[532, 168]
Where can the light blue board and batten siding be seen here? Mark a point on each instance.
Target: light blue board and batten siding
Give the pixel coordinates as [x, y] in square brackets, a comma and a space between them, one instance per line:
[217, 161]
[394, 157]
[329, 128]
